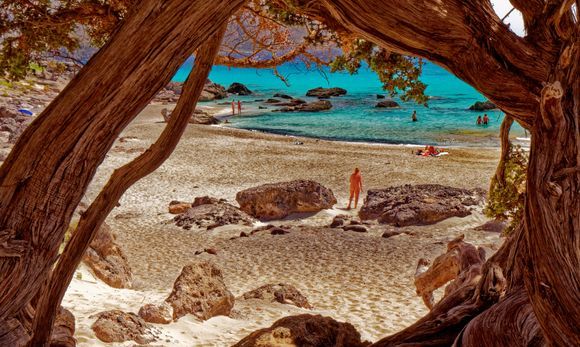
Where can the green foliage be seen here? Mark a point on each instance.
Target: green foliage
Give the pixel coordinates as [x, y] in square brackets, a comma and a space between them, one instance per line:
[506, 202]
[398, 73]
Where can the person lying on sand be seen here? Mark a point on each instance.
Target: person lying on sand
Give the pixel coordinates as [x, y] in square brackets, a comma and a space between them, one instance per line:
[355, 187]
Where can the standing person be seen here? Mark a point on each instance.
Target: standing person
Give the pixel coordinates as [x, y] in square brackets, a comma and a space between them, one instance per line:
[414, 116]
[485, 119]
[355, 187]
[233, 108]
[239, 107]
[478, 120]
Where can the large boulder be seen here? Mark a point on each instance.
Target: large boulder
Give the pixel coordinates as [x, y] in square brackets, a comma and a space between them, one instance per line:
[239, 89]
[200, 290]
[116, 326]
[325, 93]
[305, 330]
[387, 104]
[282, 293]
[299, 106]
[283, 96]
[213, 91]
[418, 205]
[198, 117]
[63, 330]
[482, 106]
[278, 200]
[211, 213]
[107, 261]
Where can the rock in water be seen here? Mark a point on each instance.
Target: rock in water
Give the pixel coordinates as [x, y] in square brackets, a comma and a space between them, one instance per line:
[305, 330]
[211, 213]
[239, 89]
[63, 330]
[316, 106]
[387, 104]
[283, 96]
[282, 293]
[213, 91]
[325, 93]
[157, 314]
[278, 200]
[107, 260]
[482, 106]
[200, 290]
[418, 205]
[118, 326]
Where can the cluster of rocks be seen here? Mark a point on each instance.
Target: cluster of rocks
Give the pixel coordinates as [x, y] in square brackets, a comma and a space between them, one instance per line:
[239, 89]
[171, 92]
[281, 293]
[107, 260]
[12, 124]
[347, 223]
[279, 200]
[483, 106]
[326, 93]
[208, 213]
[419, 205]
[198, 117]
[316, 106]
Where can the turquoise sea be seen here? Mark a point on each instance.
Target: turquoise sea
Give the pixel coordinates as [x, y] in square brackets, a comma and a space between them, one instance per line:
[446, 121]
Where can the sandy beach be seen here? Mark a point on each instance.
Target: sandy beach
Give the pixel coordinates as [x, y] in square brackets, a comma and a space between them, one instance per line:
[363, 279]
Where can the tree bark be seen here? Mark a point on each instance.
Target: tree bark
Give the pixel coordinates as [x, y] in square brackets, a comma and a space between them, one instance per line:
[39, 192]
[120, 181]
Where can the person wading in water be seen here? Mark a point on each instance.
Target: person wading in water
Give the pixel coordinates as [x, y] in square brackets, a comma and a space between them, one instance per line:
[355, 187]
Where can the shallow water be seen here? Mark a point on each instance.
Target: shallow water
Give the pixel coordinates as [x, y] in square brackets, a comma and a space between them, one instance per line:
[446, 120]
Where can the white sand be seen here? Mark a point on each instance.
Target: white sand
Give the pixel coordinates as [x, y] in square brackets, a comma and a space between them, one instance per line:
[360, 278]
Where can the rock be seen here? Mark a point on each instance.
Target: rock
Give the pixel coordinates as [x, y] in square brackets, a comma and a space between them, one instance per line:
[198, 117]
[337, 221]
[107, 261]
[355, 228]
[272, 101]
[494, 226]
[291, 103]
[278, 200]
[262, 108]
[239, 89]
[278, 231]
[212, 251]
[178, 207]
[63, 330]
[380, 96]
[390, 233]
[213, 91]
[387, 104]
[200, 290]
[157, 314]
[418, 205]
[316, 106]
[12, 122]
[211, 213]
[282, 293]
[283, 96]
[325, 93]
[305, 330]
[118, 326]
[483, 106]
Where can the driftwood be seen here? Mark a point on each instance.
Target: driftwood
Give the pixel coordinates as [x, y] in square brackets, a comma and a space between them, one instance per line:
[461, 264]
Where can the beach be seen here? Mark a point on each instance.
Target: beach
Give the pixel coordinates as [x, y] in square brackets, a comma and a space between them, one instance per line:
[361, 278]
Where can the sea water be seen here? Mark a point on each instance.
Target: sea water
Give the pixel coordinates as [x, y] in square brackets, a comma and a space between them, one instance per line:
[445, 121]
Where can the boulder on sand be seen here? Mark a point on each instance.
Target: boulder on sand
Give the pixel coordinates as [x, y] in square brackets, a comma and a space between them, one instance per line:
[198, 117]
[200, 290]
[210, 213]
[118, 326]
[282, 293]
[305, 330]
[157, 314]
[387, 104]
[325, 93]
[239, 89]
[278, 200]
[107, 261]
[482, 106]
[418, 205]
[316, 106]
[63, 330]
[178, 207]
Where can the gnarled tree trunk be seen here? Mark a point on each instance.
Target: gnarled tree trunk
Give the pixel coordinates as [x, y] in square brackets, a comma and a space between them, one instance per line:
[39, 191]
